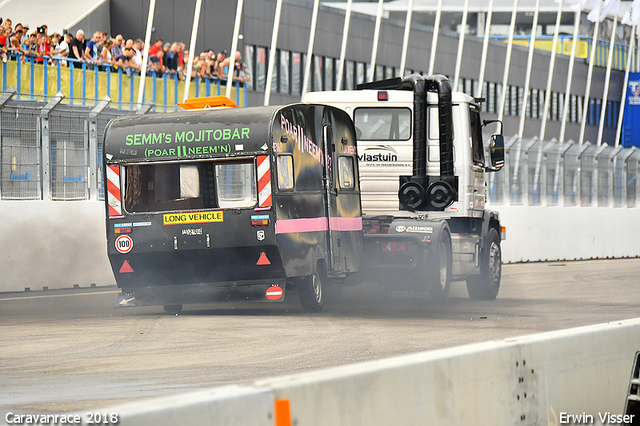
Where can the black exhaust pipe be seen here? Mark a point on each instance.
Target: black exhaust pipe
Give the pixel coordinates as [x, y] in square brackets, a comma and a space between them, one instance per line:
[422, 192]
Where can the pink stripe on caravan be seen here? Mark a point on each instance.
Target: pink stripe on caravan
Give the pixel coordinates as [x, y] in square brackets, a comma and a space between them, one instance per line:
[346, 223]
[287, 226]
[314, 224]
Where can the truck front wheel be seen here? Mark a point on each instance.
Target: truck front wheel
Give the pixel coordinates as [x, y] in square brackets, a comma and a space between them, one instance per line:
[439, 268]
[310, 290]
[486, 285]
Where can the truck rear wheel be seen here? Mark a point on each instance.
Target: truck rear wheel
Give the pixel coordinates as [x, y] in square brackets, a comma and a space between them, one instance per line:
[310, 290]
[486, 285]
[439, 268]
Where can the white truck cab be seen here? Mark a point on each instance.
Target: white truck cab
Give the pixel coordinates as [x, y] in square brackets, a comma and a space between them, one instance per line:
[422, 157]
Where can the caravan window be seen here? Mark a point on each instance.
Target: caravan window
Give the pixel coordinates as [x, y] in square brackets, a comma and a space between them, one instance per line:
[190, 185]
[345, 172]
[383, 124]
[285, 172]
[236, 184]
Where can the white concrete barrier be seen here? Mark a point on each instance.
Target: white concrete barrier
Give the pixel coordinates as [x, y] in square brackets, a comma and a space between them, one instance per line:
[530, 380]
[62, 244]
[540, 233]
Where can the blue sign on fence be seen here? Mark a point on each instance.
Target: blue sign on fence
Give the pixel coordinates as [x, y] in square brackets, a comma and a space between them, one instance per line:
[631, 121]
[25, 177]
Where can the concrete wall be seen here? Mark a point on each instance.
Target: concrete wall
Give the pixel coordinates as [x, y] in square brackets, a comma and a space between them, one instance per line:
[62, 244]
[530, 380]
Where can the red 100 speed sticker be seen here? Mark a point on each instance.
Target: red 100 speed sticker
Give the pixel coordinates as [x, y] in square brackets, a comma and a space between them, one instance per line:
[124, 244]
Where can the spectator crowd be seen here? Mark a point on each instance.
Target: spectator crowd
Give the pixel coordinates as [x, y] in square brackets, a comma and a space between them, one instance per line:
[18, 43]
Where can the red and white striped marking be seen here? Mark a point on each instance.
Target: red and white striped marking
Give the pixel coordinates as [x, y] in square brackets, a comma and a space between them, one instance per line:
[113, 190]
[264, 182]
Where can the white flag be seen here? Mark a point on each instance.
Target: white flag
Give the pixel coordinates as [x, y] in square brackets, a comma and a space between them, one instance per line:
[608, 7]
[574, 4]
[633, 15]
[589, 4]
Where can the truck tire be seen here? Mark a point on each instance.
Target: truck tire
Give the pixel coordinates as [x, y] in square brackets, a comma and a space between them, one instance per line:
[486, 285]
[172, 309]
[311, 292]
[439, 268]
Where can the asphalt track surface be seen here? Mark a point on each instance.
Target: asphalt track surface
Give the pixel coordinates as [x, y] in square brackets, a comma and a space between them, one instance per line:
[74, 349]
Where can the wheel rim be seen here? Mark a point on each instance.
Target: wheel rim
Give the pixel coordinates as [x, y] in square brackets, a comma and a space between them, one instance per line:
[495, 263]
[316, 286]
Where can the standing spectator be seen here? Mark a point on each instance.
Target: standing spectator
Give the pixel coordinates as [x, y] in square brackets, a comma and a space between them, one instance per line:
[29, 45]
[25, 33]
[171, 59]
[106, 58]
[181, 49]
[155, 62]
[42, 30]
[239, 70]
[220, 72]
[78, 46]
[118, 47]
[157, 46]
[120, 61]
[138, 45]
[91, 51]
[103, 40]
[60, 48]
[3, 49]
[43, 47]
[133, 65]
[129, 44]
[14, 44]
[7, 24]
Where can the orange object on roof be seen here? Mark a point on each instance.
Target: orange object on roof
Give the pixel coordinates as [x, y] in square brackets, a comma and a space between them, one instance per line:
[208, 102]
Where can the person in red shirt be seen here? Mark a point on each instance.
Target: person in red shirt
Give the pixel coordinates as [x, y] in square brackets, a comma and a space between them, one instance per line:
[43, 47]
[3, 47]
[156, 47]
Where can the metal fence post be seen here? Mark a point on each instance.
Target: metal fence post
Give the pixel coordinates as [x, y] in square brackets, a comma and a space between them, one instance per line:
[625, 177]
[611, 172]
[595, 181]
[560, 171]
[145, 107]
[507, 162]
[543, 173]
[92, 134]
[525, 179]
[578, 190]
[4, 98]
[45, 140]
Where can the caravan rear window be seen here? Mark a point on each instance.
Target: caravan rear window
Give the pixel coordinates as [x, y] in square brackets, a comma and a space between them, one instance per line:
[189, 185]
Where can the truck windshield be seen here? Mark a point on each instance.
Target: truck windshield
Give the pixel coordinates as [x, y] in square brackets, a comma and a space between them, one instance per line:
[189, 185]
[383, 124]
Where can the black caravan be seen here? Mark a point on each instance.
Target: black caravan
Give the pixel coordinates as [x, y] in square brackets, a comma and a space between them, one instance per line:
[221, 204]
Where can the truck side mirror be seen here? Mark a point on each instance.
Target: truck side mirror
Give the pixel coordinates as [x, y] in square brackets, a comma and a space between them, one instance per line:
[496, 153]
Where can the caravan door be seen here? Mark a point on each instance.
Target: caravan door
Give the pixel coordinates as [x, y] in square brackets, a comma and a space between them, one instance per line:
[342, 196]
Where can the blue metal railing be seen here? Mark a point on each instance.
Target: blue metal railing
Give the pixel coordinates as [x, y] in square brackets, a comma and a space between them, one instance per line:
[102, 75]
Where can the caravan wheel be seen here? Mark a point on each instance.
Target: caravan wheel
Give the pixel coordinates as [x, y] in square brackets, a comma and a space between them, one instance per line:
[311, 294]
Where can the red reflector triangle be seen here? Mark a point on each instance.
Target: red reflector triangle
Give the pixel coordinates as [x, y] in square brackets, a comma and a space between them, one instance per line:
[126, 267]
[263, 260]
